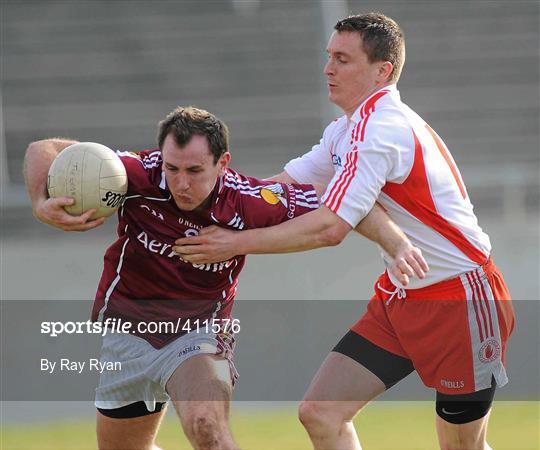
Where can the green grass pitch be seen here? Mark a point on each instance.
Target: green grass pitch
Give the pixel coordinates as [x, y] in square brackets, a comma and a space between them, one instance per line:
[384, 425]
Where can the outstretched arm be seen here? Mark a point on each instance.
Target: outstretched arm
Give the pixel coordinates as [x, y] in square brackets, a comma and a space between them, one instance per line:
[320, 228]
[37, 161]
[378, 227]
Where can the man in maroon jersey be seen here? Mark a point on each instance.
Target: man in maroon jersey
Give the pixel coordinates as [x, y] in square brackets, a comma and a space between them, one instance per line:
[174, 191]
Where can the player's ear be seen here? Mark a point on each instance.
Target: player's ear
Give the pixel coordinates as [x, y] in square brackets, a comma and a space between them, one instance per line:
[223, 163]
[385, 70]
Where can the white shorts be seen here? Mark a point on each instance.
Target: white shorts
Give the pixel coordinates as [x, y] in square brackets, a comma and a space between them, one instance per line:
[135, 371]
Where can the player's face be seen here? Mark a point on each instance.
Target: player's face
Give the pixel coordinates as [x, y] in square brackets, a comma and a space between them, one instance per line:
[190, 171]
[351, 78]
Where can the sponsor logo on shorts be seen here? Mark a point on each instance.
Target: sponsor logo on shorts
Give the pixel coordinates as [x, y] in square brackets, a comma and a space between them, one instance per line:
[453, 384]
[490, 351]
[191, 348]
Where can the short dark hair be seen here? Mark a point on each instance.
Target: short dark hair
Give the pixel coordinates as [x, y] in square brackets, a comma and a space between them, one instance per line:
[185, 122]
[382, 39]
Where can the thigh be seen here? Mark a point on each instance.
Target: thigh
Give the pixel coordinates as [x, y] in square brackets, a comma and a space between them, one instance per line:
[203, 382]
[128, 433]
[131, 382]
[387, 366]
[344, 385]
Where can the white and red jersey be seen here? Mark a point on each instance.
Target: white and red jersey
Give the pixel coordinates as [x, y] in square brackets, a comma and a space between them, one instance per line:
[387, 153]
[145, 280]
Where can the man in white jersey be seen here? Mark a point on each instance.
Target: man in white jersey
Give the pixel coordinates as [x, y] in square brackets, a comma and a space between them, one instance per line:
[451, 326]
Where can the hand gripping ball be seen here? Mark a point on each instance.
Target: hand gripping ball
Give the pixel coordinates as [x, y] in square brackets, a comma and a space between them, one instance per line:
[92, 174]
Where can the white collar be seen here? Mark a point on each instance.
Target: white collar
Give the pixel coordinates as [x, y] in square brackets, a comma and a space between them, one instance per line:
[361, 111]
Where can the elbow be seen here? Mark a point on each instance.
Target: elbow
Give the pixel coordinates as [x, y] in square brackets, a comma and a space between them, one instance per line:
[37, 146]
[332, 237]
[55, 145]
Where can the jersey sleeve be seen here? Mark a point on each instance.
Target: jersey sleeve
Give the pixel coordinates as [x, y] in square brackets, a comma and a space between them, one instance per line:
[315, 166]
[253, 203]
[141, 168]
[384, 155]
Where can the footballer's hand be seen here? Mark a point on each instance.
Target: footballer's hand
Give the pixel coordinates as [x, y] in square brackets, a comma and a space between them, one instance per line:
[408, 262]
[213, 244]
[51, 212]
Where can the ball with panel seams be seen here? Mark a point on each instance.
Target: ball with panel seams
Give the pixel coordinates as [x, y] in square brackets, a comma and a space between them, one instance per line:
[93, 175]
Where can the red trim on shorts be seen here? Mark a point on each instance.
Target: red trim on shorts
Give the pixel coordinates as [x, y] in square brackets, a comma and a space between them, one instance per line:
[486, 303]
[475, 306]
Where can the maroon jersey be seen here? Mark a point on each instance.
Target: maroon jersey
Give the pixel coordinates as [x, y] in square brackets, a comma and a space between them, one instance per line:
[145, 280]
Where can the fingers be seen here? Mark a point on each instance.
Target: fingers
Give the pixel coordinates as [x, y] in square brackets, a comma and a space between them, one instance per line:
[70, 220]
[403, 279]
[416, 266]
[195, 254]
[52, 213]
[420, 258]
[185, 250]
[197, 258]
[190, 241]
[208, 230]
[399, 273]
[404, 267]
[410, 263]
[62, 201]
[86, 226]
[85, 217]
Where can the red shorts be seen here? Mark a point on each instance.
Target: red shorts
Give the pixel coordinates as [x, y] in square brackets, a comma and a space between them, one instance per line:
[454, 332]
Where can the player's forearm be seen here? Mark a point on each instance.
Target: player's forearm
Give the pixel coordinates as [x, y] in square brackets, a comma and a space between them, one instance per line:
[320, 228]
[37, 161]
[378, 227]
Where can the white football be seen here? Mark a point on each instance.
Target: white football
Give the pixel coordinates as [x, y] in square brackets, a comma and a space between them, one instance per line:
[93, 175]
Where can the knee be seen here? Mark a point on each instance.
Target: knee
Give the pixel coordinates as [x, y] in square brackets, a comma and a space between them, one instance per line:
[463, 443]
[460, 438]
[203, 430]
[315, 415]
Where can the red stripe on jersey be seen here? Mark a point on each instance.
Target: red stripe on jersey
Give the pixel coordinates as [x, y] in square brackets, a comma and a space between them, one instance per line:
[448, 159]
[339, 181]
[415, 196]
[475, 306]
[356, 130]
[366, 111]
[342, 180]
[349, 180]
[364, 124]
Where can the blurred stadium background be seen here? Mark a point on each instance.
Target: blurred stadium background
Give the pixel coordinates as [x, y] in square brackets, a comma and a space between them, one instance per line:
[108, 71]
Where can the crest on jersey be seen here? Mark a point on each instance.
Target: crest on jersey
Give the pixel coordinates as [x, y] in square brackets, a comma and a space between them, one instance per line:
[274, 194]
[490, 351]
